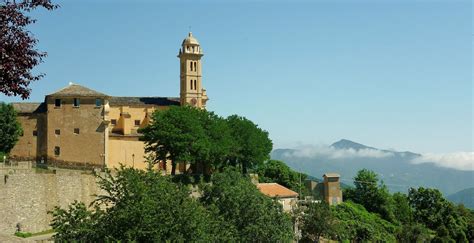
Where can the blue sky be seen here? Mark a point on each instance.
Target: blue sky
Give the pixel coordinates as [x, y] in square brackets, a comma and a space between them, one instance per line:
[390, 74]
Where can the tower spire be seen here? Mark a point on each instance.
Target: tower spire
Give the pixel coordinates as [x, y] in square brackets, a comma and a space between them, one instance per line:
[191, 90]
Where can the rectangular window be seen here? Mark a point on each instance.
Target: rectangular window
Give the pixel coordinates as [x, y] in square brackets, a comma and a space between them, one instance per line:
[57, 103]
[57, 132]
[35, 133]
[98, 102]
[57, 150]
[113, 122]
[76, 102]
[76, 130]
[137, 123]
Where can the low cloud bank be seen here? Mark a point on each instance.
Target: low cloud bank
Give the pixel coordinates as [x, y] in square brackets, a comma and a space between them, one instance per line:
[458, 160]
[333, 153]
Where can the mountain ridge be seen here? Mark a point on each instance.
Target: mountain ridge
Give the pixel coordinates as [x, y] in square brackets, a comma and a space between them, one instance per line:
[397, 169]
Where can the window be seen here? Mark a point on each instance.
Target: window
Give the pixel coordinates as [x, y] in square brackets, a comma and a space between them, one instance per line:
[191, 84]
[195, 66]
[76, 102]
[57, 150]
[191, 66]
[57, 103]
[137, 123]
[98, 102]
[35, 133]
[76, 130]
[195, 86]
[113, 122]
[57, 132]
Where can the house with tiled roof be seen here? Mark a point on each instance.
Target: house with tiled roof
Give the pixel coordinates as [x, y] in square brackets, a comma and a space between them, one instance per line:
[285, 196]
[79, 126]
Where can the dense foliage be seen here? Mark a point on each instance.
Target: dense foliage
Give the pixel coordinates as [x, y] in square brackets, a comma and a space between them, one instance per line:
[18, 53]
[317, 221]
[372, 195]
[278, 172]
[10, 128]
[371, 213]
[204, 140]
[249, 215]
[145, 206]
[137, 206]
[252, 145]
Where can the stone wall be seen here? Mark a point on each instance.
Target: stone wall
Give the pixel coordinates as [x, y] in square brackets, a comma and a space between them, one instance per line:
[26, 196]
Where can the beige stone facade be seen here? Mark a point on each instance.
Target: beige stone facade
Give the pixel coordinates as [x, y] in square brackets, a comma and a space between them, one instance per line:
[329, 190]
[77, 126]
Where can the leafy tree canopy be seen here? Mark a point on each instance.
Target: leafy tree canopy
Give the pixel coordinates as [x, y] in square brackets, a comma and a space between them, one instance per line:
[318, 221]
[433, 210]
[10, 128]
[252, 145]
[356, 223]
[18, 52]
[206, 141]
[277, 171]
[248, 214]
[372, 195]
[141, 206]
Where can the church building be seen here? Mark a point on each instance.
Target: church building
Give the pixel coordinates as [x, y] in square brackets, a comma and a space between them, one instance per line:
[77, 126]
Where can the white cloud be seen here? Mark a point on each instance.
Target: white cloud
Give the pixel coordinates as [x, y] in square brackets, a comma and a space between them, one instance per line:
[333, 153]
[458, 160]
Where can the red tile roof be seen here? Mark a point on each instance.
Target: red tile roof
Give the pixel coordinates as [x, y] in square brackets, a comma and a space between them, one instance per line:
[276, 190]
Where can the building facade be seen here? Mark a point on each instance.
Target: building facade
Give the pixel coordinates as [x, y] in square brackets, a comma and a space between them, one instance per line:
[78, 126]
[328, 190]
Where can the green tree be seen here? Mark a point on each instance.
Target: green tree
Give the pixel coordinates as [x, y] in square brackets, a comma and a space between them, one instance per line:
[402, 209]
[317, 221]
[77, 223]
[220, 142]
[433, 210]
[356, 223]
[278, 172]
[246, 213]
[141, 206]
[176, 135]
[372, 195]
[252, 146]
[10, 128]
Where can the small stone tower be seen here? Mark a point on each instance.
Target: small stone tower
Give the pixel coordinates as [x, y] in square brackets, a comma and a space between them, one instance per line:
[332, 188]
[191, 90]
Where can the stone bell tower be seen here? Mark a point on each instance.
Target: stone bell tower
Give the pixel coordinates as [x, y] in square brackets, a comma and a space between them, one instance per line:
[191, 90]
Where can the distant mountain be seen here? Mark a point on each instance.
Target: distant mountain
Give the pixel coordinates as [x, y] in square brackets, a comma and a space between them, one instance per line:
[396, 169]
[348, 144]
[465, 197]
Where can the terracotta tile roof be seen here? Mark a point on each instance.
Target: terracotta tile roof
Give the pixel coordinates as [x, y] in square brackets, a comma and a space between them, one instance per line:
[77, 90]
[29, 107]
[160, 101]
[276, 190]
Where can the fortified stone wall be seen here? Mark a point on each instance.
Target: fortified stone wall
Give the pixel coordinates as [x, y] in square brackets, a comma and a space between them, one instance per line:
[26, 196]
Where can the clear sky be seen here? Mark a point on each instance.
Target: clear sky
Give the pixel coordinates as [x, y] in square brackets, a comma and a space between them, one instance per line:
[390, 74]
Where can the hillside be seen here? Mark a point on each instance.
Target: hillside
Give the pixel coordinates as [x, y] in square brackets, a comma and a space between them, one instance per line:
[395, 168]
[465, 197]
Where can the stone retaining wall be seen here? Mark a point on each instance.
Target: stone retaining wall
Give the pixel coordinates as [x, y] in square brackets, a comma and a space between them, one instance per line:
[26, 195]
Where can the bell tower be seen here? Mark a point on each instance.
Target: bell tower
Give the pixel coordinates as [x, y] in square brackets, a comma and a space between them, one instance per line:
[191, 90]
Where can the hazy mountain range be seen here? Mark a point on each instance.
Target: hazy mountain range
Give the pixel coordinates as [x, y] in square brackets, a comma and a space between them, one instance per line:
[398, 170]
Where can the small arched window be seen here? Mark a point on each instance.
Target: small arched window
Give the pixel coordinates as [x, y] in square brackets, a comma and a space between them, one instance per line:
[195, 64]
[195, 86]
[191, 84]
[191, 66]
